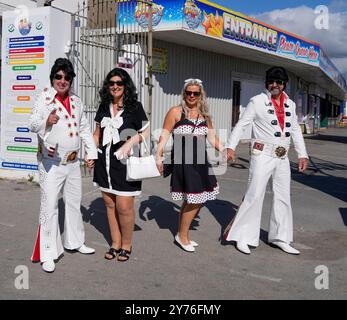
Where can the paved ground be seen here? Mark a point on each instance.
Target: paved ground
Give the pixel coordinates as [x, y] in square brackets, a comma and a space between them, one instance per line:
[158, 269]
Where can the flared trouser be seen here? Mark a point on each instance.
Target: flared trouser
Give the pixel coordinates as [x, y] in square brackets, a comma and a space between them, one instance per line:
[245, 227]
[55, 178]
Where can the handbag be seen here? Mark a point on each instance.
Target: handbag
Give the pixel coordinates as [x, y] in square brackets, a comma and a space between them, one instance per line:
[143, 167]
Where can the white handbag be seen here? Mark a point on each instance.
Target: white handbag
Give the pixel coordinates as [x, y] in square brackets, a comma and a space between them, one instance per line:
[143, 167]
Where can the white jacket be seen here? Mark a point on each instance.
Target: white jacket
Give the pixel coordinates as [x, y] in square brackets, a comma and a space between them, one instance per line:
[260, 113]
[67, 133]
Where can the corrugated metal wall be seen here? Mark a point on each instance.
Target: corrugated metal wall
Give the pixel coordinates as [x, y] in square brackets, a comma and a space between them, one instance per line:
[215, 70]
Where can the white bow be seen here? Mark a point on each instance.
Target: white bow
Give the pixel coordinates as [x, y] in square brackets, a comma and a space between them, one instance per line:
[193, 80]
[111, 129]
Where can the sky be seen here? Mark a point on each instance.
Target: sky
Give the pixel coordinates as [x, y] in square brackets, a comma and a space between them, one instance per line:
[299, 17]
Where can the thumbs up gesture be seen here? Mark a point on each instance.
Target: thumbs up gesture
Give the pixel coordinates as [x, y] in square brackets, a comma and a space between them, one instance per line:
[52, 118]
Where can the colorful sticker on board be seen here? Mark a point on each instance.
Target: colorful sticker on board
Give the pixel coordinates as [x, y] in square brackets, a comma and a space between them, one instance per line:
[24, 26]
[192, 14]
[142, 12]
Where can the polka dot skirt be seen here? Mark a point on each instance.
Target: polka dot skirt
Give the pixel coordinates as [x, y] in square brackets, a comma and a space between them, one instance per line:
[196, 197]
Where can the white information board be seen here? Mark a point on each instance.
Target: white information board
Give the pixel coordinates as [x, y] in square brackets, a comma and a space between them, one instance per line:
[31, 41]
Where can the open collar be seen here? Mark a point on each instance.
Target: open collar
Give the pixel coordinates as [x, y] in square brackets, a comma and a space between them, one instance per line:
[49, 93]
[269, 99]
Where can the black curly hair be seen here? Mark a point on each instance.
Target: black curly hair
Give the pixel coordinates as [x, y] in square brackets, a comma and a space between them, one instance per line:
[65, 65]
[276, 73]
[130, 94]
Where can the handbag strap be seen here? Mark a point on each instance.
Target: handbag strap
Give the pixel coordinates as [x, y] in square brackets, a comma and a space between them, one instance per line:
[144, 143]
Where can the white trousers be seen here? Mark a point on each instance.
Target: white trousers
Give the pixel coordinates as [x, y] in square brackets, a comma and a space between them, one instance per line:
[246, 225]
[53, 179]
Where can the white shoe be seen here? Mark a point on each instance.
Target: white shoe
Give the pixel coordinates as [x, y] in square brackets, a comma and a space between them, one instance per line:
[186, 247]
[85, 250]
[243, 247]
[48, 266]
[193, 243]
[286, 247]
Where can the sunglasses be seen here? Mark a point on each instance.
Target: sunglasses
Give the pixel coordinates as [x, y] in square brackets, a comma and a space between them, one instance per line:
[119, 83]
[280, 82]
[59, 77]
[195, 93]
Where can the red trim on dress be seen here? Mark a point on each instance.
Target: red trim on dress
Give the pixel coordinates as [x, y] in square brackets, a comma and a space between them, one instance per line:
[36, 254]
[191, 125]
[208, 190]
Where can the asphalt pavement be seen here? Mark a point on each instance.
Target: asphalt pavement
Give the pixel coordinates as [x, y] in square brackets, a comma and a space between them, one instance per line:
[158, 269]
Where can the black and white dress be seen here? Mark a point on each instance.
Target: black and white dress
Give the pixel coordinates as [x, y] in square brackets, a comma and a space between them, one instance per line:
[109, 172]
[192, 178]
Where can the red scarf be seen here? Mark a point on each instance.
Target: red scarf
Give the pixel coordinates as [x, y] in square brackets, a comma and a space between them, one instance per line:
[279, 110]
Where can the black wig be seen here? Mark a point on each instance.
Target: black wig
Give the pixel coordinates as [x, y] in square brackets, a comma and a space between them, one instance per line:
[130, 95]
[65, 65]
[276, 73]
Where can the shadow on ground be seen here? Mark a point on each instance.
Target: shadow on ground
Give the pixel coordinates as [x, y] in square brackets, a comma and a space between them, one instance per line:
[326, 137]
[320, 176]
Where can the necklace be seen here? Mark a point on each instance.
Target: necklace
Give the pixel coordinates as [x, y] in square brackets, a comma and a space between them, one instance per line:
[118, 107]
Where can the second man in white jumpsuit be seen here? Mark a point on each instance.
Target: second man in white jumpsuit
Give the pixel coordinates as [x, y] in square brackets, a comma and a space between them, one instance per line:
[274, 123]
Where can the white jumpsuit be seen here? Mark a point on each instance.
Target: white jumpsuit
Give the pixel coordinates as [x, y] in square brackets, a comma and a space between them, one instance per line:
[266, 133]
[59, 170]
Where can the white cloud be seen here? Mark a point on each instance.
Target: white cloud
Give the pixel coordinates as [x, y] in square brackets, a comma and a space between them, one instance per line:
[301, 21]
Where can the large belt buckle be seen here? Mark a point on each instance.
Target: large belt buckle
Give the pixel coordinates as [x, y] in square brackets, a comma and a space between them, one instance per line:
[69, 157]
[280, 151]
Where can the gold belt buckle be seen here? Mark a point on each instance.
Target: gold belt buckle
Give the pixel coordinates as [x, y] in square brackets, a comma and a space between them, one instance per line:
[280, 151]
[71, 156]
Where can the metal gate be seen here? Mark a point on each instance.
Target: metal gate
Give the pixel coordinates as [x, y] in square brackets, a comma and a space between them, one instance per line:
[106, 34]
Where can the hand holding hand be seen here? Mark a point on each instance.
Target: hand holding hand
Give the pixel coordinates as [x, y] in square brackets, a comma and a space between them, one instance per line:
[90, 163]
[231, 155]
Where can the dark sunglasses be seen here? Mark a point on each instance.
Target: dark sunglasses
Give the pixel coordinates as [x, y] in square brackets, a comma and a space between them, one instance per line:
[59, 77]
[195, 93]
[119, 83]
[280, 82]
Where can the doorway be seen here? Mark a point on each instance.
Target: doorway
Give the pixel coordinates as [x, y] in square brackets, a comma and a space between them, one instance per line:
[236, 102]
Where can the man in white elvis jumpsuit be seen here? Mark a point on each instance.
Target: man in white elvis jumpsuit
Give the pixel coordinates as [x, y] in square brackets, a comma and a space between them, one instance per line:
[274, 123]
[58, 119]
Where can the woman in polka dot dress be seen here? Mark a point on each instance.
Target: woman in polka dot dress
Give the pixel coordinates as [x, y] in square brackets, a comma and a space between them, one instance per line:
[192, 179]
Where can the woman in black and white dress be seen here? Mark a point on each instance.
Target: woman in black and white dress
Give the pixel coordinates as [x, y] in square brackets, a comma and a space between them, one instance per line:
[121, 123]
[192, 179]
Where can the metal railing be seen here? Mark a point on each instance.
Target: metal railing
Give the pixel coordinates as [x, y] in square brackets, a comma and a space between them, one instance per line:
[106, 34]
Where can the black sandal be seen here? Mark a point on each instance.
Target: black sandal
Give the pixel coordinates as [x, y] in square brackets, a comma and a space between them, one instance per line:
[112, 252]
[124, 254]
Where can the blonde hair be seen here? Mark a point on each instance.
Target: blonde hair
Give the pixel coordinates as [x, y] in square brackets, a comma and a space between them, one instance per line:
[202, 103]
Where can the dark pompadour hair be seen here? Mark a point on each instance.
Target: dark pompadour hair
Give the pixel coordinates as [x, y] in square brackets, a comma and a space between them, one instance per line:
[277, 73]
[65, 65]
